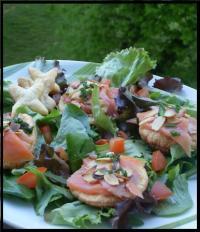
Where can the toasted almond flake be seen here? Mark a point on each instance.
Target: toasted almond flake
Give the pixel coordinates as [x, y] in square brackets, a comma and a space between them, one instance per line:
[75, 95]
[99, 172]
[151, 113]
[132, 120]
[121, 180]
[173, 120]
[88, 176]
[146, 120]
[134, 189]
[119, 176]
[111, 179]
[106, 159]
[107, 166]
[92, 164]
[158, 123]
[187, 116]
[170, 113]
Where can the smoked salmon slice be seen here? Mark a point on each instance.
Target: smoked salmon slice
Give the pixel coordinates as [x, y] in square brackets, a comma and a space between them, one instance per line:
[15, 151]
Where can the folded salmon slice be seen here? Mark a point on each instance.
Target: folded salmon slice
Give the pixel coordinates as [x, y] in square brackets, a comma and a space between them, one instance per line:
[76, 182]
[137, 183]
[15, 150]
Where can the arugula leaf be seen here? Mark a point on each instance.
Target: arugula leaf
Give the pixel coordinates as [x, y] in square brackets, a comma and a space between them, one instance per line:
[101, 119]
[179, 202]
[126, 67]
[10, 187]
[78, 215]
[176, 152]
[7, 99]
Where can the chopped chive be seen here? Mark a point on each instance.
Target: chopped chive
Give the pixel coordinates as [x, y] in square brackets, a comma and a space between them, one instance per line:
[170, 125]
[175, 133]
[161, 111]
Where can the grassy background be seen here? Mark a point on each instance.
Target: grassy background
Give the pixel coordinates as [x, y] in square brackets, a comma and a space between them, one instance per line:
[90, 31]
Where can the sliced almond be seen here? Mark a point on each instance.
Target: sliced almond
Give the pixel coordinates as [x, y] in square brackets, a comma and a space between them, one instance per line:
[173, 120]
[88, 177]
[92, 164]
[111, 179]
[151, 113]
[121, 180]
[146, 120]
[187, 116]
[134, 189]
[105, 159]
[132, 120]
[119, 176]
[158, 123]
[170, 113]
[100, 172]
[107, 166]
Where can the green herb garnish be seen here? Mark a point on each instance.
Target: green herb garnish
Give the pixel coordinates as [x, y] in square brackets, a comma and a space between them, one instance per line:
[23, 125]
[161, 111]
[175, 133]
[86, 90]
[170, 125]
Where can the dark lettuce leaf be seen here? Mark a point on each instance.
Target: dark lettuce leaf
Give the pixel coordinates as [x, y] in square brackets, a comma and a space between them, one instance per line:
[132, 206]
[126, 107]
[52, 162]
[143, 82]
[169, 84]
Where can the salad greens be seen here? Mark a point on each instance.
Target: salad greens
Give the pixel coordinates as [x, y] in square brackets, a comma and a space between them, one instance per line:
[101, 120]
[126, 67]
[179, 202]
[78, 215]
[76, 132]
[11, 188]
[8, 100]
[73, 134]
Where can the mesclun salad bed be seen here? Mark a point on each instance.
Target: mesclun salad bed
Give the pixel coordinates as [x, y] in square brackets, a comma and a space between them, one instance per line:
[92, 128]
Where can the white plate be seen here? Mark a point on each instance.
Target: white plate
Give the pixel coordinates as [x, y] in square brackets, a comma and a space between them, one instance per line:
[20, 214]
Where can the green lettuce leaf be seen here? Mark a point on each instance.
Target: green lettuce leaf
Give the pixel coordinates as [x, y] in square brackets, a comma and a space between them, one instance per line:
[8, 101]
[46, 192]
[73, 135]
[78, 215]
[179, 202]
[10, 187]
[126, 67]
[134, 148]
[100, 118]
[174, 100]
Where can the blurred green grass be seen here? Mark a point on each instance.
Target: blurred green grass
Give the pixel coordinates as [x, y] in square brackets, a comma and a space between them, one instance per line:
[89, 31]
